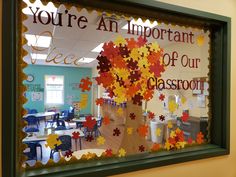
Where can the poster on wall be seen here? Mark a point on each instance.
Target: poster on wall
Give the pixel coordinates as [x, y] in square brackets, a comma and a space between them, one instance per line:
[36, 96]
[146, 68]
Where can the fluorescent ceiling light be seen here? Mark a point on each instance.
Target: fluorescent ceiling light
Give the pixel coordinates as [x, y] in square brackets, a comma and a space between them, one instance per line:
[49, 8]
[86, 60]
[98, 48]
[38, 56]
[140, 22]
[38, 41]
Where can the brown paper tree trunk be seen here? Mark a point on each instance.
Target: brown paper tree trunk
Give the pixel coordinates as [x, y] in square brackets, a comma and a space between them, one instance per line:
[132, 142]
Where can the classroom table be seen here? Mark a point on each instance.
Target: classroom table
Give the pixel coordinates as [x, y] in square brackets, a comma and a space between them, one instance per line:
[41, 115]
[38, 136]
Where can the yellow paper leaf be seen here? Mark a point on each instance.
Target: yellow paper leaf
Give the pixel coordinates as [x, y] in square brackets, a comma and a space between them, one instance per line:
[200, 40]
[154, 47]
[120, 41]
[129, 130]
[172, 106]
[183, 100]
[167, 145]
[169, 124]
[122, 152]
[52, 141]
[100, 140]
[172, 134]
[120, 111]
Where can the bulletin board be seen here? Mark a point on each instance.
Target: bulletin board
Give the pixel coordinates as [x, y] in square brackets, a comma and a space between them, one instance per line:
[150, 65]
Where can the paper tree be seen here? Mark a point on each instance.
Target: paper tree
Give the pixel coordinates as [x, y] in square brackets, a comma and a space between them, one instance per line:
[124, 67]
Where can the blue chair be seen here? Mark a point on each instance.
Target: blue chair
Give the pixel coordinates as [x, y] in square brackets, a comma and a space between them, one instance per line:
[52, 121]
[31, 129]
[67, 115]
[64, 115]
[60, 128]
[32, 155]
[33, 111]
[90, 132]
[64, 146]
[99, 124]
[61, 125]
[32, 121]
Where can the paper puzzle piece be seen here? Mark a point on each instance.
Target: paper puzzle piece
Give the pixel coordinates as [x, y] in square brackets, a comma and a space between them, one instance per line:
[143, 130]
[141, 148]
[121, 152]
[134, 76]
[109, 50]
[200, 40]
[52, 141]
[157, 69]
[124, 51]
[132, 64]
[120, 111]
[85, 84]
[137, 99]
[108, 153]
[190, 140]
[131, 43]
[100, 140]
[151, 115]
[116, 132]
[162, 118]
[158, 132]
[75, 135]
[183, 100]
[134, 54]
[148, 95]
[172, 106]
[68, 153]
[185, 117]
[200, 138]
[90, 155]
[99, 101]
[180, 145]
[172, 134]
[129, 130]
[169, 124]
[104, 65]
[106, 79]
[162, 97]
[168, 146]
[83, 101]
[89, 123]
[141, 41]
[155, 147]
[143, 51]
[154, 47]
[132, 116]
[106, 120]
[120, 41]
[89, 138]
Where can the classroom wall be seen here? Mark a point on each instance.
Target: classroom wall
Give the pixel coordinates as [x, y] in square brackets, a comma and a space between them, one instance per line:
[72, 75]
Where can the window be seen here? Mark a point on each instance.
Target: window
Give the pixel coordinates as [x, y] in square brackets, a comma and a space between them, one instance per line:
[54, 89]
[129, 67]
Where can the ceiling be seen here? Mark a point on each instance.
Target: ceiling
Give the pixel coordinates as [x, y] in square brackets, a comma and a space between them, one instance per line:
[68, 41]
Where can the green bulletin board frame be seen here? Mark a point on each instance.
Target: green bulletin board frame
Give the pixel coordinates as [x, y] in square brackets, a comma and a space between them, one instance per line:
[220, 90]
